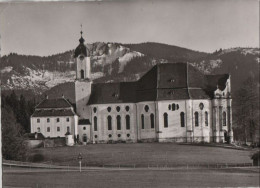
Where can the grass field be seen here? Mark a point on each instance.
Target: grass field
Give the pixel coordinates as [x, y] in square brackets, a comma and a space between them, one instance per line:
[143, 154]
[134, 178]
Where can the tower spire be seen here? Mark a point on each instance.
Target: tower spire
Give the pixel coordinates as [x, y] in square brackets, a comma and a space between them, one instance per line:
[81, 40]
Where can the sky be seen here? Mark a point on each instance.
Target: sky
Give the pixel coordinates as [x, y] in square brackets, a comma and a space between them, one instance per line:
[46, 28]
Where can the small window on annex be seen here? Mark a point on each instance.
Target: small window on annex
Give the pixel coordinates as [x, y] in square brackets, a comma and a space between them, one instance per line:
[95, 123]
[58, 129]
[152, 121]
[48, 129]
[196, 114]
[165, 118]
[127, 122]
[58, 119]
[38, 120]
[182, 119]
[48, 120]
[142, 119]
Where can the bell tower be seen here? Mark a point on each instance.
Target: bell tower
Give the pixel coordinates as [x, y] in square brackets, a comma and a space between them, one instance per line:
[83, 79]
[82, 57]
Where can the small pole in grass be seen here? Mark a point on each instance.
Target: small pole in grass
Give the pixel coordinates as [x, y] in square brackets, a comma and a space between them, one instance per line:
[80, 159]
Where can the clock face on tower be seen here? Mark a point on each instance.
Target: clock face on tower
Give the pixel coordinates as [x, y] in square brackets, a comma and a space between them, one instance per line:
[81, 57]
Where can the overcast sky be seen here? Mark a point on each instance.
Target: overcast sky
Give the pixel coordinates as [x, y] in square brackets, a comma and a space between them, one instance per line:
[203, 25]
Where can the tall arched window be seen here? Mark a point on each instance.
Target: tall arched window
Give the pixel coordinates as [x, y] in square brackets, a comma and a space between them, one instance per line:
[152, 121]
[224, 119]
[142, 118]
[165, 117]
[196, 119]
[95, 123]
[118, 122]
[182, 119]
[127, 122]
[206, 119]
[81, 74]
[109, 123]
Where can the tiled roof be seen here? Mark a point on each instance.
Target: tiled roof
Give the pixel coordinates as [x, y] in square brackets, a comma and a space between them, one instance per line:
[169, 81]
[53, 112]
[54, 103]
[84, 122]
[113, 93]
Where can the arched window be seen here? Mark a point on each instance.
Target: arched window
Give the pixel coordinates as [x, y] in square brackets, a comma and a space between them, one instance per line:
[48, 129]
[196, 119]
[165, 118]
[81, 74]
[206, 119]
[84, 138]
[95, 123]
[182, 119]
[142, 118]
[152, 121]
[127, 121]
[118, 122]
[109, 123]
[224, 119]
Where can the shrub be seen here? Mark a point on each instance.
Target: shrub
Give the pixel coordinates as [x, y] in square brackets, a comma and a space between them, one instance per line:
[37, 158]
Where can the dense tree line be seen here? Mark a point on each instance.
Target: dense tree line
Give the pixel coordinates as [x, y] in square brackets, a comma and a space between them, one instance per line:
[16, 112]
[246, 111]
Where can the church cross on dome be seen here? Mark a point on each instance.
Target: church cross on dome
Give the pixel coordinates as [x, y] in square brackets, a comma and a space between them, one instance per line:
[81, 40]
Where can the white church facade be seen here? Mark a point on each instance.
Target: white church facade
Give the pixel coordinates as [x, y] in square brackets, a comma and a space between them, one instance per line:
[173, 102]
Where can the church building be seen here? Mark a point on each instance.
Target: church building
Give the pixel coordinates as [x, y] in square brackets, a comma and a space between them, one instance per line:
[172, 102]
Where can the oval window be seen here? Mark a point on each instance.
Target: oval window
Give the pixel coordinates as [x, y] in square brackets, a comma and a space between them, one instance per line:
[95, 136]
[109, 109]
[128, 135]
[118, 108]
[146, 108]
[127, 108]
[94, 109]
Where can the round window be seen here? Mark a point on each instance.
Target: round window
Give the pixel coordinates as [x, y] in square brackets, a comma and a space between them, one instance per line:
[109, 109]
[128, 135]
[94, 109]
[127, 108]
[119, 135]
[84, 128]
[146, 108]
[118, 108]
[95, 136]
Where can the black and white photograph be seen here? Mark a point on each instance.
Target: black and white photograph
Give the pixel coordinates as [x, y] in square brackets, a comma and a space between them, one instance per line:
[129, 94]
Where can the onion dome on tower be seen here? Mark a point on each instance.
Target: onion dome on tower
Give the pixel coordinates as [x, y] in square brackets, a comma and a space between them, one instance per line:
[81, 48]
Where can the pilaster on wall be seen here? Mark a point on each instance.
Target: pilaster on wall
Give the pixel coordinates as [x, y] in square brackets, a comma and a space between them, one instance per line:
[82, 95]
